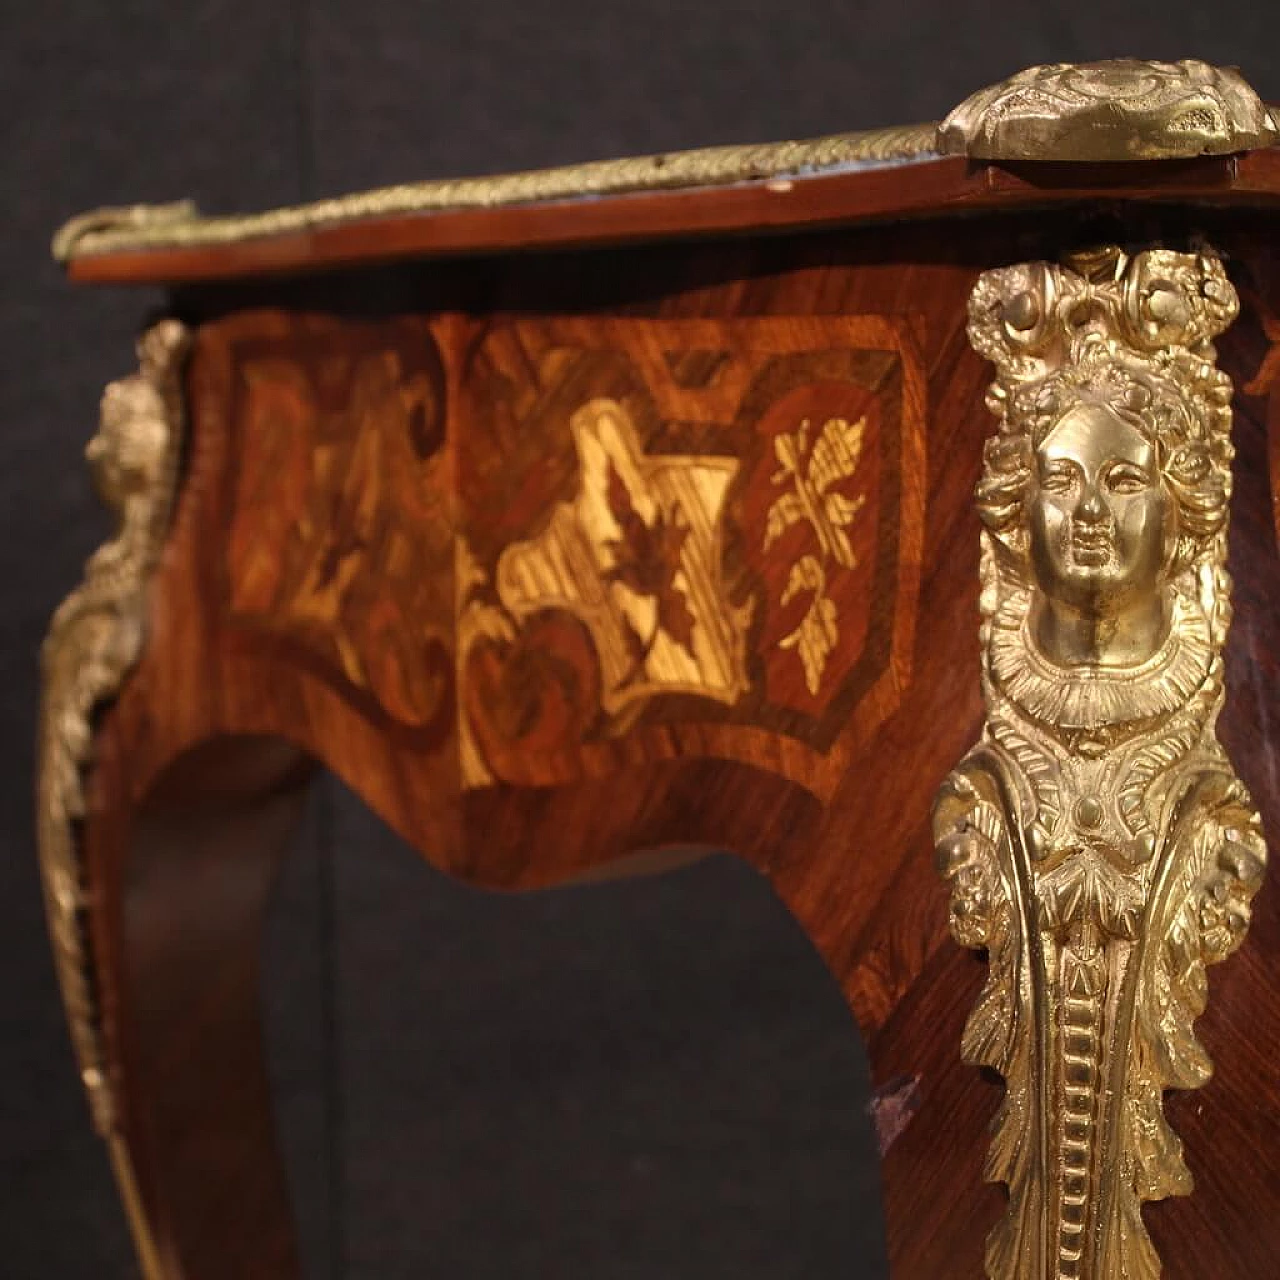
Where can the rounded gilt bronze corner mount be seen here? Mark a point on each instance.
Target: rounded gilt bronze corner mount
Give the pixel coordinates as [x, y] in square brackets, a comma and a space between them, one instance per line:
[1123, 109]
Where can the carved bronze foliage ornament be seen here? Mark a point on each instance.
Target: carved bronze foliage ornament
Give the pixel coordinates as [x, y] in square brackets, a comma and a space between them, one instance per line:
[94, 638]
[1097, 842]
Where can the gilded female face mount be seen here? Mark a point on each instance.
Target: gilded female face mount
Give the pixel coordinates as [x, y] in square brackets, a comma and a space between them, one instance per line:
[1101, 529]
[1109, 478]
[1096, 840]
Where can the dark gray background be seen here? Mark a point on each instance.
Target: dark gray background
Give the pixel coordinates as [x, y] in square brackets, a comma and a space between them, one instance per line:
[655, 1080]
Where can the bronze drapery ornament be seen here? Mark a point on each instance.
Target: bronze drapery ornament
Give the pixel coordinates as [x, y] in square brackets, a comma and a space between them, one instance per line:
[1097, 842]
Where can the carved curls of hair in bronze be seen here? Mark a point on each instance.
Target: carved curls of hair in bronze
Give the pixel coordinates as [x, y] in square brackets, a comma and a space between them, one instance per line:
[1188, 431]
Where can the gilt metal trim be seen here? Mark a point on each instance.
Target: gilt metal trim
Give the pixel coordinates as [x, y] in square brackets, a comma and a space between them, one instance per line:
[1124, 109]
[1097, 841]
[95, 637]
[140, 220]
[142, 227]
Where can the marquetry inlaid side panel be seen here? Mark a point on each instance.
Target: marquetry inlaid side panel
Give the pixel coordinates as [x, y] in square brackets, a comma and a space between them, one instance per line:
[650, 538]
[688, 531]
[337, 507]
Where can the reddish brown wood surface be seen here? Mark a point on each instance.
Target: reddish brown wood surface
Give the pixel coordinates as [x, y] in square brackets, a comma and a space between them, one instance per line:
[316, 592]
[199, 861]
[875, 195]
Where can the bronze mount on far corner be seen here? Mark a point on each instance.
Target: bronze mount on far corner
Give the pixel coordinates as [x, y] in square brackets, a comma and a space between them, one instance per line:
[1124, 109]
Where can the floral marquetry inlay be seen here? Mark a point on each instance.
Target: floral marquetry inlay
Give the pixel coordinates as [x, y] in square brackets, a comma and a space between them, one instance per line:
[637, 557]
[810, 467]
[701, 529]
[339, 518]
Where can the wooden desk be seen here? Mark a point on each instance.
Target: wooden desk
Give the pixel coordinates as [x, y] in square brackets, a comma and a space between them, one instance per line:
[573, 529]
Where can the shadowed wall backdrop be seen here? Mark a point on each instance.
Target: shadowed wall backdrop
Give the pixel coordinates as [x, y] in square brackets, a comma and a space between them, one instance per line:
[648, 1080]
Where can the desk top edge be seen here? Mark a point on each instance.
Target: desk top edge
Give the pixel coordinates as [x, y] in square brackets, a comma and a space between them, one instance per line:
[1115, 131]
[178, 225]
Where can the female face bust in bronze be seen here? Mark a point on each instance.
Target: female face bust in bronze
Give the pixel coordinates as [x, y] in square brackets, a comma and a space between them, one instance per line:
[1096, 840]
[1100, 525]
[1105, 488]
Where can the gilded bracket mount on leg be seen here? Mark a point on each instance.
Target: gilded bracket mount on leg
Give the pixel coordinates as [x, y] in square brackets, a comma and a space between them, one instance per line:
[1097, 842]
